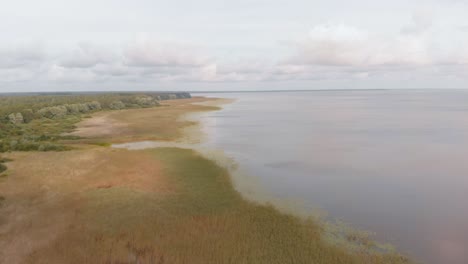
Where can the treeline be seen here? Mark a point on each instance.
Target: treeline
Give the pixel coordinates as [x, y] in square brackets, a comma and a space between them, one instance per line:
[19, 109]
[36, 122]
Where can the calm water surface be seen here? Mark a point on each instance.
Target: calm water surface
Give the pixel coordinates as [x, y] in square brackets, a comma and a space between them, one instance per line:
[393, 162]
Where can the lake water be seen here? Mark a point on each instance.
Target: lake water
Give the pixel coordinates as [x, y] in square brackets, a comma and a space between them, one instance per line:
[392, 162]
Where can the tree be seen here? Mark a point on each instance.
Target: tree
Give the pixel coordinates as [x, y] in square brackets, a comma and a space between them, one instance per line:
[16, 118]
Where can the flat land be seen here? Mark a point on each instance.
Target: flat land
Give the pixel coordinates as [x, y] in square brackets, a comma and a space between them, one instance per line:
[160, 123]
[96, 204]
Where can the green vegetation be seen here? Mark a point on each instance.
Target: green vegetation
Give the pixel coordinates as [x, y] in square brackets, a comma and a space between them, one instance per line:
[3, 167]
[101, 144]
[37, 122]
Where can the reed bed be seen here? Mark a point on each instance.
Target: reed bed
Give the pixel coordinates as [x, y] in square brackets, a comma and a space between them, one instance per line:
[201, 220]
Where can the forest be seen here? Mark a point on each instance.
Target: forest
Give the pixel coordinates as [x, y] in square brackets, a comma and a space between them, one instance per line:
[37, 122]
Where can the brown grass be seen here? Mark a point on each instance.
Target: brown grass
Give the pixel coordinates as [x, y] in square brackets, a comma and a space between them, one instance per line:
[202, 219]
[44, 192]
[157, 123]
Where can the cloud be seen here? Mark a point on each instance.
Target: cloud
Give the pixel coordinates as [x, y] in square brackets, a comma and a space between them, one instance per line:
[21, 55]
[86, 56]
[327, 52]
[341, 45]
[9, 75]
[149, 53]
[422, 21]
[333, 45]
[421, 49]
[58, 73]
[463, 28]
[143, 60]
[115, 70]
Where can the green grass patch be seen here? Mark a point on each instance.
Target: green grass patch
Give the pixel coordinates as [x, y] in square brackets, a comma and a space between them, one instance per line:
[3, 168]
[206, 187]
[101, 144]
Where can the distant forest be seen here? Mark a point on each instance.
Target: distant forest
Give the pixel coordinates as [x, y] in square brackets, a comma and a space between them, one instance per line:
[38, 121]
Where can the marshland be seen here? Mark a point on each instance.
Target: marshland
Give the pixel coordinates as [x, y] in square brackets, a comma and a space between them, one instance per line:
[83, 201]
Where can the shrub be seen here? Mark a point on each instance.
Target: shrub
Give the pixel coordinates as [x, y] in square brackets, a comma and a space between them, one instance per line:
[26, 146]
[13, 144]
[102, 144]
[53, 112]
[83, 108]
[52, 147]
[28, 115]
[73, 109]
[16, 118]
[94, 105]
[145, 101]
[3, 160]
[117, 105]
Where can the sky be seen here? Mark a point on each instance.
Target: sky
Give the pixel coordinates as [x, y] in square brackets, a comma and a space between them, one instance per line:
[94, 45]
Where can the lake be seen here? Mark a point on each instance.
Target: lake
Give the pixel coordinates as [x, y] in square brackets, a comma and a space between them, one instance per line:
[394, 162]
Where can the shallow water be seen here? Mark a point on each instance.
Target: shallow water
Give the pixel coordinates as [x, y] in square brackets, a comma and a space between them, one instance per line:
[393, 162]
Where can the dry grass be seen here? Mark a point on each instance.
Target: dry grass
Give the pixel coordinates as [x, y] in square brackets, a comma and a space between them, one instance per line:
[44, 192]
[157, 123]
[202, 219]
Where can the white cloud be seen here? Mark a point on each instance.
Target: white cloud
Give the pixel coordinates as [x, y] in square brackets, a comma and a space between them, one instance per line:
[21, 55]
[208, 72]
[421, 49]
[144, 61]
[116, 69]
[59, 73]
[220, 44]
[87, 55]
[332, 45]
[341, 45]
[150, 53]
[422, 20]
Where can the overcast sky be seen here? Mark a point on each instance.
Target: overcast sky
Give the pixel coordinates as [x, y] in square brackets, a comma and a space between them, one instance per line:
[95, 45]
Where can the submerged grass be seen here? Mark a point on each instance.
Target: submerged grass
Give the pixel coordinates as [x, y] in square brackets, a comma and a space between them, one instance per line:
[202, 220]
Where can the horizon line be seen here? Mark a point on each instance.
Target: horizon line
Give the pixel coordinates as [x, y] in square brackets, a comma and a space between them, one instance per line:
[225, 91]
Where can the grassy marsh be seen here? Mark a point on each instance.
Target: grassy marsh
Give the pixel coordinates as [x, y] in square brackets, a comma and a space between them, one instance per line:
[164, 205]
[202, 219]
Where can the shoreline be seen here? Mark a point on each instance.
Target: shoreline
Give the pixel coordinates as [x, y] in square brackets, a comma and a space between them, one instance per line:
[335, 231]
[166, 203]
